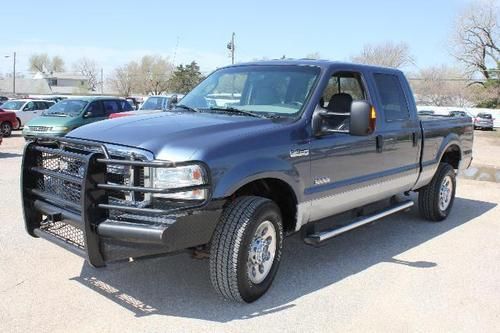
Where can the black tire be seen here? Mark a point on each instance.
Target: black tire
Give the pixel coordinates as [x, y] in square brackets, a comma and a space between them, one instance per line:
[429, 196]
[18, 124]
[230, 248]
[6, 129]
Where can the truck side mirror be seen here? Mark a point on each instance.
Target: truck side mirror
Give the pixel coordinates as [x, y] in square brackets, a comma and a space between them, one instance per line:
[362, 119]
[87, 114]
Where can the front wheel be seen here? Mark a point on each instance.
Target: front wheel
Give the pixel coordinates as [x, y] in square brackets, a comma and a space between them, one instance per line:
[436, 199]
[246, 248]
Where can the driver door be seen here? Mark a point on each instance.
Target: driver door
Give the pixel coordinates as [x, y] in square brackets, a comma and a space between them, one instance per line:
[343, 166]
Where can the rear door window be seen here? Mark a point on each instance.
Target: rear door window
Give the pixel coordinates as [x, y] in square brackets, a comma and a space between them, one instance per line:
[392, 97]
[126, 105]
[111, 107]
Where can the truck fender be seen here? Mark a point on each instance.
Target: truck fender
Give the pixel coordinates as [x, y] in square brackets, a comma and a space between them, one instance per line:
[248, 171]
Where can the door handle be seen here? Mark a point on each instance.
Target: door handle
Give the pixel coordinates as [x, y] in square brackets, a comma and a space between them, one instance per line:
[380, 143]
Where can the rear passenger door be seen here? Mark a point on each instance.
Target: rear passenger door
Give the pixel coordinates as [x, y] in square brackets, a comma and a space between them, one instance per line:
[399, 139]
[110, 107]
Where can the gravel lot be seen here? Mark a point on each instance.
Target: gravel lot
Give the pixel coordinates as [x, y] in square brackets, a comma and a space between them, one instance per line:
[401, 274]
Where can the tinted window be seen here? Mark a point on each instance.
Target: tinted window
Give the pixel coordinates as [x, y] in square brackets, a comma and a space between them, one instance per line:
[484, 115]
[111, 107]
[392, 97]
[96, 109]
[40, 106]
[126, 106]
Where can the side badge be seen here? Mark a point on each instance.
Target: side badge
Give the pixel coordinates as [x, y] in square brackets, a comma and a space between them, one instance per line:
[299, 152]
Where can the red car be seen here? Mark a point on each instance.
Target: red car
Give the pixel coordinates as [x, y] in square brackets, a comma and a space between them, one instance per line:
[8, 121]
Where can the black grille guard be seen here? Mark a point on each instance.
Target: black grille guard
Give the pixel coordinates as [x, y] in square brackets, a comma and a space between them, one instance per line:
[87, 206]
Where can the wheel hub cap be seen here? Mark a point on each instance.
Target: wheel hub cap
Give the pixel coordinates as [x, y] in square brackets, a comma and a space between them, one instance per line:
[262, 252]
[445, 193]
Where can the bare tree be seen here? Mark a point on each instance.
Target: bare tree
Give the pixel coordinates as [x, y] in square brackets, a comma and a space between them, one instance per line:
[90, 69]
[476, 37]
[39, 62]
[154, 74]
[441, 86]
[57, 64]
[124, 79]
[386, 54]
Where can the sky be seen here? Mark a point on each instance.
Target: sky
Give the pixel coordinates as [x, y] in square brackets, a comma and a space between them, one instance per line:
[116, 32]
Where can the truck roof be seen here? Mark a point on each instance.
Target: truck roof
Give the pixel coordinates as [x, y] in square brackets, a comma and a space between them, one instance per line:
[322, 63]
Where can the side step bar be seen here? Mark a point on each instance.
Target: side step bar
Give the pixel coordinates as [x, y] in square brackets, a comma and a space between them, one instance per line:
[318, 237]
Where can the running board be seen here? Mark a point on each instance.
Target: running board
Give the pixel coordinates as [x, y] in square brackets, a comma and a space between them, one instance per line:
[319, 237]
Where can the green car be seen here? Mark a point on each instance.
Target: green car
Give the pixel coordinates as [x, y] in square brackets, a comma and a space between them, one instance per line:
[71, 113]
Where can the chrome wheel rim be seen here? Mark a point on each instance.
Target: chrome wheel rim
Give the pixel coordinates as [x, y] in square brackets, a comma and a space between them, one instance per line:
[445, 192]
[262, 252]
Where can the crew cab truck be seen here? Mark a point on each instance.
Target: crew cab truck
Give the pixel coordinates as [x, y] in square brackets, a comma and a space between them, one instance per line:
[306, 142]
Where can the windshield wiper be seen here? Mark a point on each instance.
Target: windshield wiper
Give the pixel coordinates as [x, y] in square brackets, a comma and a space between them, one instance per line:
[236, 110]
[185, 107]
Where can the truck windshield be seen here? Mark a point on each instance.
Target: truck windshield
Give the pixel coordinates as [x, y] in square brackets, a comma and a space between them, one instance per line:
[69, 107]
[262, 89]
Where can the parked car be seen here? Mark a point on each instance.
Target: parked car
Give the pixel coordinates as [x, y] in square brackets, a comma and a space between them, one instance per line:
[483, 120]
[26, 109]
[307, 140]
[133, 102]
[152, 104]
[8, 121]
[72, 113]
[458, 114]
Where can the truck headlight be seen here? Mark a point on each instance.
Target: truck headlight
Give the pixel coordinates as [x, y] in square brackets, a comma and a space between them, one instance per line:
[177, 177]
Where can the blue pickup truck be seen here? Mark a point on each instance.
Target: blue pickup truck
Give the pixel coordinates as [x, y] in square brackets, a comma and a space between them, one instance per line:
[309, 146]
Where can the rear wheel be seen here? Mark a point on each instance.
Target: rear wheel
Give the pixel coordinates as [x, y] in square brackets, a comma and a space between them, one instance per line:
[18, 124]
[246, 249]
[6, 129]
[436, 199]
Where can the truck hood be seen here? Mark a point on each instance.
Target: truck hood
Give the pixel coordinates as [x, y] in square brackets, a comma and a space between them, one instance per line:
[174, 136]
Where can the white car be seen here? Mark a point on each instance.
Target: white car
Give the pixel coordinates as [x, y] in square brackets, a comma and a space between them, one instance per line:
[26, 109]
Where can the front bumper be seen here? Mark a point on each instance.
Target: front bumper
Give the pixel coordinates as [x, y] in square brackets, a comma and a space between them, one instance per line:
[76, 210]
[30, 135]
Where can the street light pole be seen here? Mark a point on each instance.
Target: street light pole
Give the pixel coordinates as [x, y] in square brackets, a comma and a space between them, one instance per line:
[13, 73]
[14, 76]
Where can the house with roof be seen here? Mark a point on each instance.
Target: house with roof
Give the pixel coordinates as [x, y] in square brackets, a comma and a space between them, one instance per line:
[60, 83]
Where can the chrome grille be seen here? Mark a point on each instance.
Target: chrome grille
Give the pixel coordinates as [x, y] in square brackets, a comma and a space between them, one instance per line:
[40, 128]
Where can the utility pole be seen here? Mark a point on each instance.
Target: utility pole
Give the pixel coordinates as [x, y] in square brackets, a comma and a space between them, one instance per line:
[102, 81]
[14, 76]
[13, 73]
[230, 47]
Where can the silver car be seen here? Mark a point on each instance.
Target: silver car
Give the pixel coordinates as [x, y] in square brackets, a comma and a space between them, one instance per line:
[483, 121]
